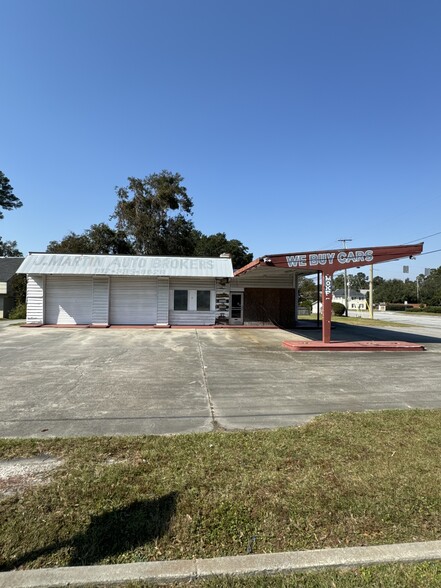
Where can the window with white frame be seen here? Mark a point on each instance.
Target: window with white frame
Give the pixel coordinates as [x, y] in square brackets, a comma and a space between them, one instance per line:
[192, 300]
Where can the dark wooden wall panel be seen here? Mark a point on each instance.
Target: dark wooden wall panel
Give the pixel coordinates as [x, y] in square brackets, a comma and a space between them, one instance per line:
[269, 305]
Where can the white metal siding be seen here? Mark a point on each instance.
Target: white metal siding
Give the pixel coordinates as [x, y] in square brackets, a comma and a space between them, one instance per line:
[133, 301]
[163, 301]
[35, 299]
[192, 284]
[68, 300]
[193, 317]
[100, 307]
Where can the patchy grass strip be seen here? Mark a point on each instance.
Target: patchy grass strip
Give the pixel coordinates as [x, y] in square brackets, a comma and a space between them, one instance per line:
[341, 480]
[424, 575]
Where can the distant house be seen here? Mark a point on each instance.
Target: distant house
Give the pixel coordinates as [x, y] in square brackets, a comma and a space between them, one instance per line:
[356, 300]
[8, 267]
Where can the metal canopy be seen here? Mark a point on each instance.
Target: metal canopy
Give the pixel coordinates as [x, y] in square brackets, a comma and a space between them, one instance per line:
[327, 262]
[333, 260]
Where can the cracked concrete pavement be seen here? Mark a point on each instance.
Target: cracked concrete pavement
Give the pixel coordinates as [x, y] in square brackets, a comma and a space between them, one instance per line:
[80, 382]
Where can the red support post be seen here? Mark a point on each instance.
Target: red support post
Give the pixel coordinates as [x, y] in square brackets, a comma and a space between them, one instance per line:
[326, 306]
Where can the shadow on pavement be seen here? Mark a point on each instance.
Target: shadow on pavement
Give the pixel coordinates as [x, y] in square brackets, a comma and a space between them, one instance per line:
[111, 533]
[342, 332]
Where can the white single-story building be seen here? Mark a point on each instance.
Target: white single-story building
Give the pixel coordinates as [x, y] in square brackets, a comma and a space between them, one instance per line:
[102, 290]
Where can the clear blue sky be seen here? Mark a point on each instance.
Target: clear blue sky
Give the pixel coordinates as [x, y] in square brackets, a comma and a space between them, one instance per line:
[294, 123]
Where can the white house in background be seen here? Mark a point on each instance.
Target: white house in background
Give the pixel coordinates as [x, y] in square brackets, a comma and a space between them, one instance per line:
[356, 300]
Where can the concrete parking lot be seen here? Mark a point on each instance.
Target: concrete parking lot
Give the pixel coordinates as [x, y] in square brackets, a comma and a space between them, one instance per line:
[76, 382]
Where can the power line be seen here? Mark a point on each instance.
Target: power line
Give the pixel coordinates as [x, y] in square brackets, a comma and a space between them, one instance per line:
[420, 238]
[427, 252]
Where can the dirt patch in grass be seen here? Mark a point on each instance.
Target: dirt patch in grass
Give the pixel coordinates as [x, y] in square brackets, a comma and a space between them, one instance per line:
[341, 480]
[17, 475]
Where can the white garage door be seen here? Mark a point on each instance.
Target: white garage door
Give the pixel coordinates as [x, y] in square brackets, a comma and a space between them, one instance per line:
[68, 300]
[133, 301]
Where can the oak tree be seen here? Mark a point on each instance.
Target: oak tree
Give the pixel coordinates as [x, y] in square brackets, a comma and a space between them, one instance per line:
[215, 245]
[8, 200]
[99, 239]
[9, 249]
[154, 214]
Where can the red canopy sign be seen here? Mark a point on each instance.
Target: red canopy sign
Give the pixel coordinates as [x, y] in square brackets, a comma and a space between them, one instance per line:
[338, 259]
[329, 262]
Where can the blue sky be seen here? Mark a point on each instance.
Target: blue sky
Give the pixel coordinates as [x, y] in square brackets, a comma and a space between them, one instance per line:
[294, 123]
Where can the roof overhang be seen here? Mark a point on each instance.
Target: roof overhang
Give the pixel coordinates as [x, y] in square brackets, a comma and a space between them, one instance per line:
[332, 260]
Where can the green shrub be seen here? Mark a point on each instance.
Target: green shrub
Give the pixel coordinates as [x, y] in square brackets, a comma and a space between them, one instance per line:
[18, 312]
[338, 309]
[396, 306]
[306, 304]
[434, 309]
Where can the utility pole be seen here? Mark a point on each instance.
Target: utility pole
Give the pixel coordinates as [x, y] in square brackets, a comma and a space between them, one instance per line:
[371, 292]
[345, 277]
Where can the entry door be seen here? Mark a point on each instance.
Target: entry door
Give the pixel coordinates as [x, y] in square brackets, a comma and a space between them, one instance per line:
[236, 313]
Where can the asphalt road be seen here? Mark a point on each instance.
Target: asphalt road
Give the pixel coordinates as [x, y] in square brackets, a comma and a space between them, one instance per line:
[78, 382]
[417, 319]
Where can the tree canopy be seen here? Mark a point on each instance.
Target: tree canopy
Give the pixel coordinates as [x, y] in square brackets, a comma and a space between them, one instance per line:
[8, 200]
[153, 217]
[430, 288]
[99, 239]
[358, 281]
[215, 245]
[154, 212]
[395, 291]
[307, 291]
[9, 249]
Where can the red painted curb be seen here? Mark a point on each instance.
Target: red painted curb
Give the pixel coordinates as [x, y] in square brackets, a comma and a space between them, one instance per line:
[174, 327]
[352, 346]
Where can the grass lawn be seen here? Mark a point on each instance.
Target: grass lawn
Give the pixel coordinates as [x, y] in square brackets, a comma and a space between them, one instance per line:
[423, 575]
[341, 480]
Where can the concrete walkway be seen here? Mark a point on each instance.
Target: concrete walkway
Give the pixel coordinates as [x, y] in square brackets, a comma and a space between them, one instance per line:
[187, 570]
